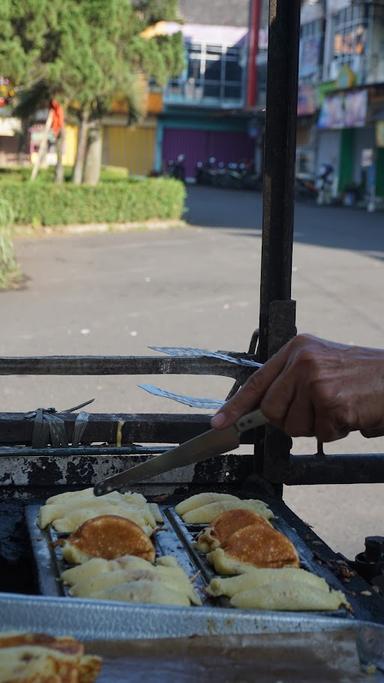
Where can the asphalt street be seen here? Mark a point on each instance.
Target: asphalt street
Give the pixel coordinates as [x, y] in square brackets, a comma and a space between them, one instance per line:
[119, 293]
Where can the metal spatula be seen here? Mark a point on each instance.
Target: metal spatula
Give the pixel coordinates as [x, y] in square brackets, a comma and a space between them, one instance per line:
[207, 445]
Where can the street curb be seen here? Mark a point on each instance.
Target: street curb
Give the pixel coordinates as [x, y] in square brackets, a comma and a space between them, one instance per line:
[97, 228]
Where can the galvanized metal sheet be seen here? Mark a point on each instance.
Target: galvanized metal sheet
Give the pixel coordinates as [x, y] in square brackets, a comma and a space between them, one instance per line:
[176, 351]
[92, 619]
[191, 401]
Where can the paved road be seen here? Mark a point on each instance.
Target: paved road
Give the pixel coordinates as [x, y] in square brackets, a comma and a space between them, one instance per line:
[119, 293]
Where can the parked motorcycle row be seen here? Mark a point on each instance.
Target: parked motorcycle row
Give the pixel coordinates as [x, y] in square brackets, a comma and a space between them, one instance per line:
[234, 175]
[242, 176]
[238, 176]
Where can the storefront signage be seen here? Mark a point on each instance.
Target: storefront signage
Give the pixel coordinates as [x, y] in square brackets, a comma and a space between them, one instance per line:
[346, 110]
[332, 112]
[306, 103]
[355, 109]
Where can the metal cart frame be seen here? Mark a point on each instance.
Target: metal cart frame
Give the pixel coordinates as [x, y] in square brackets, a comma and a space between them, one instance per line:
[22, 466]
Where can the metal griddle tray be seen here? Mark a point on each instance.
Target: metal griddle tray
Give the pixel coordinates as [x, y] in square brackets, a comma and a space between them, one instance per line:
[177, 539]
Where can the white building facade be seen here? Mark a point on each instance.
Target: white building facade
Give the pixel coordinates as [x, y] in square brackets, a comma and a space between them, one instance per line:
[341, 101]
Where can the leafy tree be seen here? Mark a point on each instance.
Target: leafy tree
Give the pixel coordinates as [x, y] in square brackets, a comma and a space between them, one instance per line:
[46, 49]
[83, 53]
[121, 56]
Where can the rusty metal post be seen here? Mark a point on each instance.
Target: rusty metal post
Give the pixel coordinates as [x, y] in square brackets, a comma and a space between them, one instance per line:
[279, 160]
[278, 202]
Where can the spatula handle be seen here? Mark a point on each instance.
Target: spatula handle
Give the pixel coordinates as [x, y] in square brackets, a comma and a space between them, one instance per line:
[251, 421]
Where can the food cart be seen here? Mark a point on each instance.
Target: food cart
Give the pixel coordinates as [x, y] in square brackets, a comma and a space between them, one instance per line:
[45, 452]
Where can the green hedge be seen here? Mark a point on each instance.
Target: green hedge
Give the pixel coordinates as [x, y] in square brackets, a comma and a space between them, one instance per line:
[37, 203]
[10, 274]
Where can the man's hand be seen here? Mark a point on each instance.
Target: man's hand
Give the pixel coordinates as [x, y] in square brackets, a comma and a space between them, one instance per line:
[313, 387]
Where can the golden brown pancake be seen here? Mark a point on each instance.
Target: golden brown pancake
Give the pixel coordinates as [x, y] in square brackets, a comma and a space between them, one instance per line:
[39, 658]
[225, 525]
[111, 536]
[262, 546]
[65, 644]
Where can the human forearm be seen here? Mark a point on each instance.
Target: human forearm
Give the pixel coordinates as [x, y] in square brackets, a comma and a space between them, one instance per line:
[313, 387]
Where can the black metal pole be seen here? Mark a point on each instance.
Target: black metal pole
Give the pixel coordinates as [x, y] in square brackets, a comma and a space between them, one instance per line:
[279, 162]
[335, 469]
[118, 365]
[277, 310]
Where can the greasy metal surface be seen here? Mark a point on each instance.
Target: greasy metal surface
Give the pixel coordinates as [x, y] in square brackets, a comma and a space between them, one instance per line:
[50, 563]
[176, 538]
[50, 451]
[90, 619]
[213, 443]
[83, 471]
[292, 658]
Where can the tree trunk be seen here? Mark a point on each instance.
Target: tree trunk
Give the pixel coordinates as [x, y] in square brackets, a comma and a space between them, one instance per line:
[59, 170]
[81, 148]
[92, 165]
[42, 147]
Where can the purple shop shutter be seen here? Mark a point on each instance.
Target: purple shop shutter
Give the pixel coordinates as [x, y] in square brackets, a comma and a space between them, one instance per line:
[198, 145]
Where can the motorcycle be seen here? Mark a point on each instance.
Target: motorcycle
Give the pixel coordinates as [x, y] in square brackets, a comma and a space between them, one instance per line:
[324, 184]
[305, 187]
[176, 169]
[233, 175]
[205, 173]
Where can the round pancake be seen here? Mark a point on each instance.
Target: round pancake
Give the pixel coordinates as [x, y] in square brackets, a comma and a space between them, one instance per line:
[232, 520]
[262, 546]
[111, 536]
[225, 525]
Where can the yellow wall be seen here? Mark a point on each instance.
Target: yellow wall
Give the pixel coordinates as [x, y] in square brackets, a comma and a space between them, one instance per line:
[130, 148]
[70, 145]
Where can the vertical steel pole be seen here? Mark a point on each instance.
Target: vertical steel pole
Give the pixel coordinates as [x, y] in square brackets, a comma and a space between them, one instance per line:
[277, 310]
[279, 165]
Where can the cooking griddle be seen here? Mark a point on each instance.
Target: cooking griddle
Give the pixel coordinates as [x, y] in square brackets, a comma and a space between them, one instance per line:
[177, 538]
[331, 657]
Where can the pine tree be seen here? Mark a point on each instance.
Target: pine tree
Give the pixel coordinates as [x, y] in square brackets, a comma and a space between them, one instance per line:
[84, 53]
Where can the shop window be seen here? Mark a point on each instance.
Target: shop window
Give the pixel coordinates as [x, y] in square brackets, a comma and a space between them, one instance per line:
[350, 29]
[311, 51]
[213, 71]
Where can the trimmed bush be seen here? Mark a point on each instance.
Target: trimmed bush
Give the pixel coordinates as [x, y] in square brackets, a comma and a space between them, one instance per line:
[10, 274]
[42, 203]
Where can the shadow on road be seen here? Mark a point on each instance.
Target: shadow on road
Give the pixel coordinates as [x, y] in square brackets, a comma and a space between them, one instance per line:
[337, 228]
